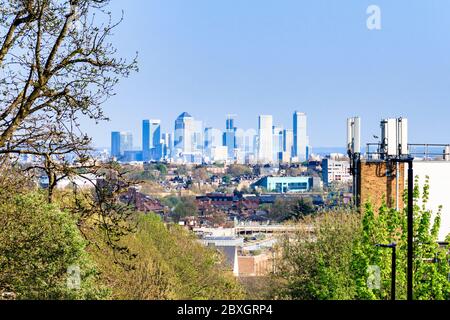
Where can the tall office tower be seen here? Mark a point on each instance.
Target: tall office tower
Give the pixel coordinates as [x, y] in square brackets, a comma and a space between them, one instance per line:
[146, 140]
[229, 137]
[277, 143]
[188, 143]
[288, 144]
[115, 144]
[198, 138]
[121, 142]
[166, 145]
[184, 126]
[250, 146]
[300, 136]
[151, 140]
[213, 139]
[239, 146]
[265, 144]
[126, 139]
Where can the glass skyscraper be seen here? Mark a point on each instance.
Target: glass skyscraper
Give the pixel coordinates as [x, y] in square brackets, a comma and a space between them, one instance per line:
[121, 142]
[151, 140]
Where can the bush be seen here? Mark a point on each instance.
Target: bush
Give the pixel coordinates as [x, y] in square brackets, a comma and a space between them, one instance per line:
[170, 264]
[38, 243]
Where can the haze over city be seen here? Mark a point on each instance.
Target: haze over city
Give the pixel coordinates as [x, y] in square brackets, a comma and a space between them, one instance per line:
[258, 57]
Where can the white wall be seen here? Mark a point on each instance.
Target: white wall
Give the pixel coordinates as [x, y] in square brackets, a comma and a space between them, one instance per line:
[439, 174]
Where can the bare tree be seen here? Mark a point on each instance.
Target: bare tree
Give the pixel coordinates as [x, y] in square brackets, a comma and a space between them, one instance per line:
[56, 64]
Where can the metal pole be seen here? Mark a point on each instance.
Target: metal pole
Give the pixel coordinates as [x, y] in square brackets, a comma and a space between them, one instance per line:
[394, 271]
[410, 229]
[397, 186]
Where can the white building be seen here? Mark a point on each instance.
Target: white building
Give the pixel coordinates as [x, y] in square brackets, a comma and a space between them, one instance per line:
[277, 143]
[288, 144]
[439, 184]
[188, 143]
[265, 145]
[335, 171]
[213, 139]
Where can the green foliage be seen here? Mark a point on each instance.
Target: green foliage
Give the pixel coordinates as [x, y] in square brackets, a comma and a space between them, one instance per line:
[291, 209]
[171, 201]
[38, 243]
[226, 179]
[334, 263]
[171, 264]
[318, 266]
[185, 208]
[237, 170]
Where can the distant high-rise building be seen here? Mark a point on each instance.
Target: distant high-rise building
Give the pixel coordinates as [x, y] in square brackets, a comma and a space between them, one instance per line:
[188, 143]
[198, 137]
[288, 143]
[277, 143]
[167, 145]
[115, 144]
[151, 140]
[184, 128]
[121, 142]
[265, 144]
[213, 140]
[250, 145]
[229, 137]
[300, 136]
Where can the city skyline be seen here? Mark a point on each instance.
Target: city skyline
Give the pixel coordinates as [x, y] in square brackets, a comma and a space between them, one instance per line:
[239, 58]
[195, 142]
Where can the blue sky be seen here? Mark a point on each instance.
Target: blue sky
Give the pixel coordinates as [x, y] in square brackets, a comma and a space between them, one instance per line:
[251, 57]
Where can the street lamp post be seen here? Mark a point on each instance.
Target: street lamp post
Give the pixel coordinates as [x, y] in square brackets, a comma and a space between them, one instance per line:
[392, 246]
[409, 160]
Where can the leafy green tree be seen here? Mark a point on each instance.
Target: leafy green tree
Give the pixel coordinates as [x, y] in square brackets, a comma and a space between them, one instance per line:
[171, 264]
[226, 179]
[237, 170]
[317, 266]
[186, 208]
[431, 266]
[38, 243]
[333, 261]
[291, 209]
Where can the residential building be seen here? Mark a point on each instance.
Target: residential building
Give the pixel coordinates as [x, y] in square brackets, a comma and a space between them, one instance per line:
[335, 171]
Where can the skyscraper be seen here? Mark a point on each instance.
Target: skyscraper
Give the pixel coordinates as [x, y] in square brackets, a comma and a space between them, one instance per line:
[277, 143]
[213, 139]
[300, 136]
[151, 140]
[229, 137]
[188, 143]
[184, 127]
[288, 143]
[167, 145]
[265, 144]
[121, 142]
[115, 144]
[251, 145]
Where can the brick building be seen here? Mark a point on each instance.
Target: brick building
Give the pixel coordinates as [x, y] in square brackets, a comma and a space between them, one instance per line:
[378, 180]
